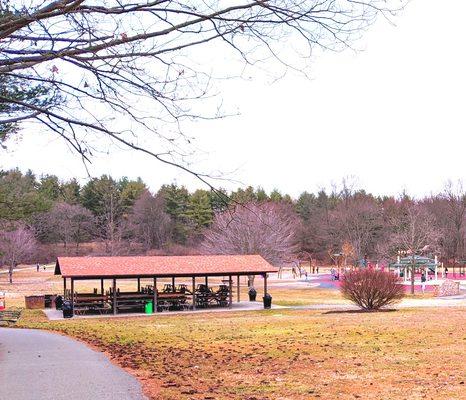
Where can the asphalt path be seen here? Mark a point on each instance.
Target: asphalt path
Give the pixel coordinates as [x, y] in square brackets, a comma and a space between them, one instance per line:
[44, 366]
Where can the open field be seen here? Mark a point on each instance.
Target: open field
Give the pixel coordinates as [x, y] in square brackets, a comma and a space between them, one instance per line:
[408, 354]
[276, 354]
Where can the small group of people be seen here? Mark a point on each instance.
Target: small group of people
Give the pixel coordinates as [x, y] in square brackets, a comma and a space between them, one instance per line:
[38, 267]
[335, 275]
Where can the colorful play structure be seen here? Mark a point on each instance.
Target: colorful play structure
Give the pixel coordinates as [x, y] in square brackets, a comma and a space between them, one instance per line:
[403, 267]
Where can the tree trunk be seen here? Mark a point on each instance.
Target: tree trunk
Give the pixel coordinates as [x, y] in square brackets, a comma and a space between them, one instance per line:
[413, 268]
[10, 273]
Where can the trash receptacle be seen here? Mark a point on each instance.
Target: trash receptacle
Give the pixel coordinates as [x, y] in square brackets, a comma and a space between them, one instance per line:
[67, 309]
[267, 301]
[149, 308]
[58, 302]
[252, 294]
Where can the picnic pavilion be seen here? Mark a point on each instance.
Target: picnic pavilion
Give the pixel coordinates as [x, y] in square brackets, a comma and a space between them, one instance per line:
[147, 271]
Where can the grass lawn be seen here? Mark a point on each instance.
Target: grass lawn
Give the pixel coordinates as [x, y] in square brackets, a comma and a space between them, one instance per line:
[285, 354]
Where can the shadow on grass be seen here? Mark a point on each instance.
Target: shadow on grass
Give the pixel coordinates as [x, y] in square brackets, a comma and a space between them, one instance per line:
[361, 311]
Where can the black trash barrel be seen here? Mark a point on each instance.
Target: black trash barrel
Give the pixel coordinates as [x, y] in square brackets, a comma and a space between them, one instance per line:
[267, 301]
[252, 294]
[58, 302]
[67, 309]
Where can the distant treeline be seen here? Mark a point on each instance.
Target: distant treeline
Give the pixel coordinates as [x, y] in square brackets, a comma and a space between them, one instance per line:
[121, 212]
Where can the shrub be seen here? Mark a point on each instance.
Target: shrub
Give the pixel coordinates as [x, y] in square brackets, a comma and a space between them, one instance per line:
[371, 289]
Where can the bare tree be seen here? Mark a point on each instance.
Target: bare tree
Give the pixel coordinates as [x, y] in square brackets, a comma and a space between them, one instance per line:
[357, 220]
[146, 60]
[149, 222]
[66, 223]
[268, 229]
[414, 232]
[455, 197]
[16, 246]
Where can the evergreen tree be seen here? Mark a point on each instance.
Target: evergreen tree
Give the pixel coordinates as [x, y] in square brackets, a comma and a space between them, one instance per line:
[243, 196]
[71, 192]
[49, 187]
[19, 197]
[305, 204]
[199, 209]
[130, 191]
[219, 200]
[261, 195]
[276, 196]
[176, 205]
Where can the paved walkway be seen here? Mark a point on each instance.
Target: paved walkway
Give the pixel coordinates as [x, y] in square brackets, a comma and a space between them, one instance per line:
[55, 315]
[44, 366]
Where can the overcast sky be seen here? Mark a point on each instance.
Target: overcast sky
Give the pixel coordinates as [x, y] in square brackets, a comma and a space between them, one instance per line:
[392, 115]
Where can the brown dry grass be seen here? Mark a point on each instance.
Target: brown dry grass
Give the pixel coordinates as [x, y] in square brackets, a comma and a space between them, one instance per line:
[409, 354]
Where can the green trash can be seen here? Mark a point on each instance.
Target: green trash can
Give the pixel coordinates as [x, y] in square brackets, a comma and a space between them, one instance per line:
[149, 308]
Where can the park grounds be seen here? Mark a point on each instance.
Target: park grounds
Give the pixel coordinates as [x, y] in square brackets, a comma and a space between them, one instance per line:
[314, 345]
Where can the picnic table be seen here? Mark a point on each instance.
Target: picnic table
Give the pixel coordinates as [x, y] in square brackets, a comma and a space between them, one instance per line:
[90, 302]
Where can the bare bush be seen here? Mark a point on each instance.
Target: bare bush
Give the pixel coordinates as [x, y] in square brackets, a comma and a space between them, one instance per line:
[371, 289]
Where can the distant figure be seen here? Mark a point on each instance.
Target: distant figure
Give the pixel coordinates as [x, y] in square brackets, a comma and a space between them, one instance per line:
[44, 267]
[313, 269]
[423, 281]
[332, 273]
[37, 267]
[317, 269]
[446, 272]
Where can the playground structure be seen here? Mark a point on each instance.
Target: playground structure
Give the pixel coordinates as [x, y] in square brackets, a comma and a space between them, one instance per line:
[403, 267]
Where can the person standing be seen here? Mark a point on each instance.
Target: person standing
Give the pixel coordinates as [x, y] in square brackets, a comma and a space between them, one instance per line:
[423, 280]
[446, 271]
[37, 267]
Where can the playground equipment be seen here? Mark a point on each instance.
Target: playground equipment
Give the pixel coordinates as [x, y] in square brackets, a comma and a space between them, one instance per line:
[403, 266]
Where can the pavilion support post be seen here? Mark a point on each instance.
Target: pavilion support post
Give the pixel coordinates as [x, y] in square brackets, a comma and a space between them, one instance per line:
[155, 296]
[194, 292]
[114, 291]
[265, 284]
[173, 284]
[72, 296]
[238, 288]
[230, 291]
[139, 285]
[64, 288]
[102, 287]
[207, 281]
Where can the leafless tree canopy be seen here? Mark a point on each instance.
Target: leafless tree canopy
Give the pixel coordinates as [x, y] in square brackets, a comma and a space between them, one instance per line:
[267, 229]
[66, 223]
[16, 246]
[147, 61]
[149, 222]
[414, 231]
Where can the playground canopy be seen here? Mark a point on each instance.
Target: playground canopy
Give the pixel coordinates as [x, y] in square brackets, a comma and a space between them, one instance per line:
[404, 263]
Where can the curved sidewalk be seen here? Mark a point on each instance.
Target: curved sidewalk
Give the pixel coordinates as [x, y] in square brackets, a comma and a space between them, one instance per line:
[41, 366]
